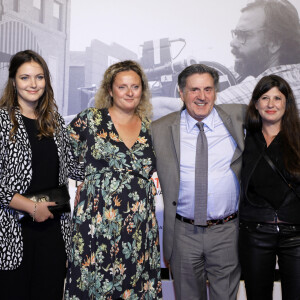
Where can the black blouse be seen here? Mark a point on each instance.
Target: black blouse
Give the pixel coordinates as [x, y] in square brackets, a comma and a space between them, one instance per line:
[265, 184]
[45, 161]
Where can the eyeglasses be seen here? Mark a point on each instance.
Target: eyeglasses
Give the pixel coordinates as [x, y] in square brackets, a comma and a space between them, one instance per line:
[243, 35]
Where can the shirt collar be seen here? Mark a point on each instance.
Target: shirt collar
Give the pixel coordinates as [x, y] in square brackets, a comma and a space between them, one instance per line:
[209, 121]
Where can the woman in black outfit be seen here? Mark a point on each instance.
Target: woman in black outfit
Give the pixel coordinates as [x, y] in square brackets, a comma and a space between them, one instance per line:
[270, 203]
[34, 157]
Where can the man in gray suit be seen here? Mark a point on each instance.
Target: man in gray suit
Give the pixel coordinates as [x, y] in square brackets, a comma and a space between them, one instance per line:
[200, 252]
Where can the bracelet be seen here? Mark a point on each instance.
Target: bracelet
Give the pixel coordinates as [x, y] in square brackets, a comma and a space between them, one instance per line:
[34, 211]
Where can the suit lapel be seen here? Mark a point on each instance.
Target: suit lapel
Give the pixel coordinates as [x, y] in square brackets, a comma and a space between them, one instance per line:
[175, 131]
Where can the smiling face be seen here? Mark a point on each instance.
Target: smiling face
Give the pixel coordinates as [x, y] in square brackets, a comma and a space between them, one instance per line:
[30, 84]
[271, 107]
[126, 91]
[199, 95]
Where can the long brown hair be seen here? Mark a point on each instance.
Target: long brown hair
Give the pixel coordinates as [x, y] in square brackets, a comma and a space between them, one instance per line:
[46, 110]
[290, 122]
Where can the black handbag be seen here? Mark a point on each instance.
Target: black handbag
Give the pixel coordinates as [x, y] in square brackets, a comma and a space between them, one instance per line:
[60, 195]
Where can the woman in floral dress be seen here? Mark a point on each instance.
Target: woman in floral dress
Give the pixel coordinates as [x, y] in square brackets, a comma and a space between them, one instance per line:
[115, 246]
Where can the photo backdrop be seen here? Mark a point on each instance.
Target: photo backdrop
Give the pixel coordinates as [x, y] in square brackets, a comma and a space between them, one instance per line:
[80, 39]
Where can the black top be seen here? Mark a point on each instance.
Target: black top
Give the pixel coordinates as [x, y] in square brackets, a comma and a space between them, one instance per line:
[265, 197]
[45, 161]
[265, 184]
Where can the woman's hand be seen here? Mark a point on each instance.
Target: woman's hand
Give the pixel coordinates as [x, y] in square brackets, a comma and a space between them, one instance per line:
[38, 211]
[41, 212]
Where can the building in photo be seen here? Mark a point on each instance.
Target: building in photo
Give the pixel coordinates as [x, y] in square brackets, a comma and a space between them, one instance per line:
[42, 26]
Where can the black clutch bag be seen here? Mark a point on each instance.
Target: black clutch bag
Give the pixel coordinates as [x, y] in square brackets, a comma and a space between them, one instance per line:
[60, 195]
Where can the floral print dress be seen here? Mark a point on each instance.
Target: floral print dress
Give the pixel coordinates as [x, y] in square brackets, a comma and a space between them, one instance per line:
[115, 245]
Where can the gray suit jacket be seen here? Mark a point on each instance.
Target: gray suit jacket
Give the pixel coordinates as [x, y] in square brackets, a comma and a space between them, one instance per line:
[166, 142]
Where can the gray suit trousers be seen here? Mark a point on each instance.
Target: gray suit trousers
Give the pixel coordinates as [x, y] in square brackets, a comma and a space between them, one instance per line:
[205, 253]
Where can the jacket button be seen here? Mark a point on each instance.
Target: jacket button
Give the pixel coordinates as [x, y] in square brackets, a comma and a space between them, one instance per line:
[174, 203]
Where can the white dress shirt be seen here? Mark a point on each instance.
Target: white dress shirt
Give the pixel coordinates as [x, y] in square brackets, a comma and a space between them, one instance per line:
[223, 186]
